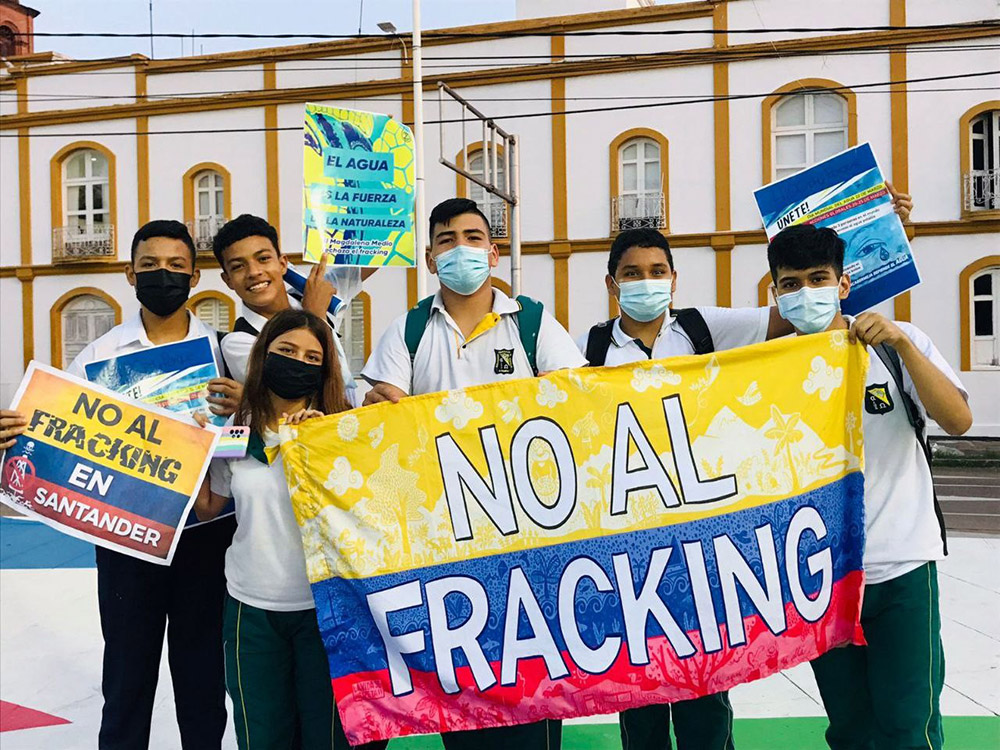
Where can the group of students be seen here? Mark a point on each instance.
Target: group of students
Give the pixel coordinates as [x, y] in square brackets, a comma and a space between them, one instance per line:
[236, 602]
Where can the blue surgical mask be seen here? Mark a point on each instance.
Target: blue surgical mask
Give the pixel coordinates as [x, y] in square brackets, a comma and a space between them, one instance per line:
[644, 300]
[463, 269]
[811, 309]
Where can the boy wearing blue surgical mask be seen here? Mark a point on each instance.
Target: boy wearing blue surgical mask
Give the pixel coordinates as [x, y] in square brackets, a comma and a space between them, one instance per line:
[884, 694]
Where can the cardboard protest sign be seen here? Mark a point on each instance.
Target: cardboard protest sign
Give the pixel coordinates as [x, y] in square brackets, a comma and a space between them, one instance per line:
[101, 468]
[847, 193]
[358, 188]
[587, 542]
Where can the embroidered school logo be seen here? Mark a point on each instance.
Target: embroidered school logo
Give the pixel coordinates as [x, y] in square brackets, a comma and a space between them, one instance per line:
[877, 399]
[504, 364]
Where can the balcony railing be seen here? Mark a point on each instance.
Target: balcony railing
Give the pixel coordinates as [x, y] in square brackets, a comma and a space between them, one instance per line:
[497, 214]
[645, 211]
[203, 231]
[75, 244]
[981, 190]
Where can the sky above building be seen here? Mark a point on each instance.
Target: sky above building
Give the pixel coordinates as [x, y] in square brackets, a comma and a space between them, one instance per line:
[237, 17]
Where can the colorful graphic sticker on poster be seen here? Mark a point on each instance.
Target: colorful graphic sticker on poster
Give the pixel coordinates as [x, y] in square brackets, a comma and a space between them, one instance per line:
[585, 542]
[847, 193]
[106, 470]
[172, 376]
[358, 188]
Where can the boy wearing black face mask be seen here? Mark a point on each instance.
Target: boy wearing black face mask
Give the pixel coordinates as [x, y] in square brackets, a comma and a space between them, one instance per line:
[137, 599]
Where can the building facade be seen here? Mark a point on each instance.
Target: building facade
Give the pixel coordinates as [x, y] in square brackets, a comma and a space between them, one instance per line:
[681, 123]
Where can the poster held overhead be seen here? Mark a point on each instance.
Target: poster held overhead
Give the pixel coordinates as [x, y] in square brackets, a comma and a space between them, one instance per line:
[847, 193]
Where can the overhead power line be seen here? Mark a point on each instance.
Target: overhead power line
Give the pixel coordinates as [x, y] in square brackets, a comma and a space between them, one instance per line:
[517, 116]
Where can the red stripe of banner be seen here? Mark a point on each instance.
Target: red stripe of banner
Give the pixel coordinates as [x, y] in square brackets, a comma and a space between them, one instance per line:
[365, 699]
[127, 524]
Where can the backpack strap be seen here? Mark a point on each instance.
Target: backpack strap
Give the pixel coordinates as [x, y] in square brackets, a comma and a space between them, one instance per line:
[890, 358]
[219, 335]
[242, 326]
[529, 323]
[693, 324]
[416, 323]
[598, 343]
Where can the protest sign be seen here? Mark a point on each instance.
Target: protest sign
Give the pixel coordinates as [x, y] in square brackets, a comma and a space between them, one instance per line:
[847, 193]
[587, 542]
[101, 468]
[172, 376]
[358, 188]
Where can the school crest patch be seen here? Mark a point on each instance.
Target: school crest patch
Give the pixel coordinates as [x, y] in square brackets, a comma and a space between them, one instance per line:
[877, 399]
[504, 364]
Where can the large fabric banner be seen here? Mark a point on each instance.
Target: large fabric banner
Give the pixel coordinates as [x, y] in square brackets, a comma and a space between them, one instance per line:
[97, 466]
[358, 170]
[586, 542]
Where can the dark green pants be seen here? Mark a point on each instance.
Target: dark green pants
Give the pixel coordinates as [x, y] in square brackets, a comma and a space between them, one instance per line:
[885, 696]
[279, 680]
[700, 724]
[542, 735]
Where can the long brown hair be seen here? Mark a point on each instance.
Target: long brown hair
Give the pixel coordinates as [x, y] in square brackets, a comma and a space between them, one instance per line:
[255, 407]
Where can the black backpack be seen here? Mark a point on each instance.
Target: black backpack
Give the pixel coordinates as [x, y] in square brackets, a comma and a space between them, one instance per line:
[688, 318]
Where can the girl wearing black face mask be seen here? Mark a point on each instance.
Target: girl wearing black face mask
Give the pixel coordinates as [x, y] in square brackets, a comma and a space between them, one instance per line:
[276, 667]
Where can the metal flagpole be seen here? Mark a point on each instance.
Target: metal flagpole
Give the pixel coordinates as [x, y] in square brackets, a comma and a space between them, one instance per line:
[419, 226]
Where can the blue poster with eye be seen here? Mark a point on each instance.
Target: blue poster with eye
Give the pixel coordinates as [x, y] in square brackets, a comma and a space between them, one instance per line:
[847, 193]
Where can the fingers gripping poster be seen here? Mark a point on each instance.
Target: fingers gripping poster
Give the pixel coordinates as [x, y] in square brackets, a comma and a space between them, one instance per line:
[586, 542]
[102, 468]
[358, 188]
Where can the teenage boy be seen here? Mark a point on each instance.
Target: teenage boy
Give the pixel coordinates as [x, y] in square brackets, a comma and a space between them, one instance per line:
[138, 600]
[885, 694]
[254, 267]
[467, 334]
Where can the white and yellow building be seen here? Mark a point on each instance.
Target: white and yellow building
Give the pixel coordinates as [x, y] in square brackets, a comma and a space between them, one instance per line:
[103, 146]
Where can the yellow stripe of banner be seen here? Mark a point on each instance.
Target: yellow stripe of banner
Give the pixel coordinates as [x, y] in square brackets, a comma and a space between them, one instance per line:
[773, 420]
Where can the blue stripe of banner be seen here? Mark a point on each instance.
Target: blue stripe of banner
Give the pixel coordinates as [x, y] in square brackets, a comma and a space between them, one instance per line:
[345, 619]
[144, 498]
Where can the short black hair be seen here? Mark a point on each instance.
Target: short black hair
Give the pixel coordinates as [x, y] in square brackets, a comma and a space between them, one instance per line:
[163, 228]
[447, 210]
[636, 238]
[243, 226]
[803, 246]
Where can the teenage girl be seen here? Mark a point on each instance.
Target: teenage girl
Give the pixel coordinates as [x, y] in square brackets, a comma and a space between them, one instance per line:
[277, 672]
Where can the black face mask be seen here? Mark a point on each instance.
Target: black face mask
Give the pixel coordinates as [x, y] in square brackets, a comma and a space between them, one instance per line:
[290, 378]
[161, 291]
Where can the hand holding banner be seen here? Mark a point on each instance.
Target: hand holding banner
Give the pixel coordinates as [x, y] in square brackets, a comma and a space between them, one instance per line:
[586, 542]
[101, 468]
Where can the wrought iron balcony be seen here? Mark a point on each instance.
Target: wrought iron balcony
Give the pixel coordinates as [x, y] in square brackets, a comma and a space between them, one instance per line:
[497, 214]
[75, 244]
[981, 190]
[203, 231]
[645, 211]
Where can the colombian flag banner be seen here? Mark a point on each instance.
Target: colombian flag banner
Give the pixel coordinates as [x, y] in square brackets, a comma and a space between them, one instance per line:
[586, 542]
[103, 468]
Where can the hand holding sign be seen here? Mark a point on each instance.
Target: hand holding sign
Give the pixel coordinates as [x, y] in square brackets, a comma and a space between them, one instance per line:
[12, 424]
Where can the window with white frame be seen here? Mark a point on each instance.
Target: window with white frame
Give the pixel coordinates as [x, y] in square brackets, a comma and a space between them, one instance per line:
[985, 329]
[982, 183]
[494, 207]
[640, 199]
[84, 319]
[806, 129]
[352, 330]
[214, 313]
[209, 203]
[87, 204]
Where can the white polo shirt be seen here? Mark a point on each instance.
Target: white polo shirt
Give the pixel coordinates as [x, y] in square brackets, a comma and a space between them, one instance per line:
[446, 359]
[902, 530]
[730, 328]
[129, 337]
[236, 346]
[265, 566]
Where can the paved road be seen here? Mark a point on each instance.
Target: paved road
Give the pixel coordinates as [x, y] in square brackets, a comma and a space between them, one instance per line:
[970, 498]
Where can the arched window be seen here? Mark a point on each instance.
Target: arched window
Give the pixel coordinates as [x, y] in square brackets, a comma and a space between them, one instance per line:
[639, 180]
[985, 312]
[207, 202]
[355, 327]
[83, 203]
[807, 128]
[495, 208]
[8, 42]
[213, 309]
[981, 183]
[84, 319]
